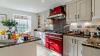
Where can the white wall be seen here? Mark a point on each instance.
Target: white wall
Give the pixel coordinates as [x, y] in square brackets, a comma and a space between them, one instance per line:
[10, 12]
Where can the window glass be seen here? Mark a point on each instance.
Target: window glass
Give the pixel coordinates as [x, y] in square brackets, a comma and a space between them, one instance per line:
[24, 23]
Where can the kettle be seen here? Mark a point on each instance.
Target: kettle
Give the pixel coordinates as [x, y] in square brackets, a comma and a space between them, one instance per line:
[98, 28]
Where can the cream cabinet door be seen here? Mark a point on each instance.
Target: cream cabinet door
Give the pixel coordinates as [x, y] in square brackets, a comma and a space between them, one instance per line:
[80, 48]
[97, 8]
[71, 12]
[68, 46]
[90, 51]
[71, 46]
[65, 46]
[93, 8]
[84, 10]
[87, 51]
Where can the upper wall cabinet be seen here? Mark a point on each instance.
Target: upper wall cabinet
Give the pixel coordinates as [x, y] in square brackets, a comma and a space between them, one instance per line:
[78, 10]
[71, 11]
[96, 9]
[84, 9]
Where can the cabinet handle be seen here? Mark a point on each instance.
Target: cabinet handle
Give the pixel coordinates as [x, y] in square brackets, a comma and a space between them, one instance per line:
[92, 14]
[75, 16]
[81, 51]
[75, 41]
[78, 16]
[72, 40]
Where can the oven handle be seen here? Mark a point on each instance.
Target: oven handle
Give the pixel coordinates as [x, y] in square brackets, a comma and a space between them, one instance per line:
[59, 39]
[55, 37]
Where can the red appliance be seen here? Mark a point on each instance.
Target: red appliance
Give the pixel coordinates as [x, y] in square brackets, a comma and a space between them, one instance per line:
[54, 42]
[57, 10]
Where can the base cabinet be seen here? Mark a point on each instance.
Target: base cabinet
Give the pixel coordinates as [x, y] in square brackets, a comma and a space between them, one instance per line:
[68, 46]
[89, 51]
[65, 46]
[96, 9]
[72, 46]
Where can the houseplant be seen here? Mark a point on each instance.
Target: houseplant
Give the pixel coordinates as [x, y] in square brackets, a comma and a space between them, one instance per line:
[9, 23]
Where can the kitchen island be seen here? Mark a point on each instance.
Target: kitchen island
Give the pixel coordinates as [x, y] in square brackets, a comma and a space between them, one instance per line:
[27, 48]
[90, 50]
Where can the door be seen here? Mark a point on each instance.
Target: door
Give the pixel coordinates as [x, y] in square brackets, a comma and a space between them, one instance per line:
[71, 46]
[84, 10]
[97, 8]
[56, 45]
[80, 48]
[88, 51]
[71, 10]
[80, 41]
[66, 45]
[75, 47]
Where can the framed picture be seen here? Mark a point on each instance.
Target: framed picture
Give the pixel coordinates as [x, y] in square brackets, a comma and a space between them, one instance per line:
[3, 16]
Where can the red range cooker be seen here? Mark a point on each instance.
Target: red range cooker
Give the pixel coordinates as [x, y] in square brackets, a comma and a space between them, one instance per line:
[54, 42]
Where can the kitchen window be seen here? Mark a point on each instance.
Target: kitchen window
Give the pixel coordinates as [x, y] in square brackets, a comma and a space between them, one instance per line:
[24, 23]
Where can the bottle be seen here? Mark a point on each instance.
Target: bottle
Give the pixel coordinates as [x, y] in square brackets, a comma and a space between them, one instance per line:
[14, 36]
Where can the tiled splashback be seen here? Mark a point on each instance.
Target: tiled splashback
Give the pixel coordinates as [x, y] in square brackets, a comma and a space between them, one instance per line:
[92, 26]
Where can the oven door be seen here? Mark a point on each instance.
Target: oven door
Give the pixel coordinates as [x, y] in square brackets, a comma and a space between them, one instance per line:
[56, 45]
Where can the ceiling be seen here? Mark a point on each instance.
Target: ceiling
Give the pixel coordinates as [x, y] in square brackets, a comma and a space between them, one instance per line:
[35, 6]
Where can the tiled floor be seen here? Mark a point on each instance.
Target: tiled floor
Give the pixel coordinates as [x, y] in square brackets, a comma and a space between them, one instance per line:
[42, 51]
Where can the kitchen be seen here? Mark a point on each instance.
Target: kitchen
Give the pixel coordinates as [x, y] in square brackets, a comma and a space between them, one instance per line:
[83, 18]
[51, 28]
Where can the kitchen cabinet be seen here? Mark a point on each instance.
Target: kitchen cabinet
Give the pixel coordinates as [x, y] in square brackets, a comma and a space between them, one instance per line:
[71, 11]
[73, 49]
[73, 46]
[96, 9]
[70, 48]
[84, 10]
[78, 10]
[79, 48]
[67, 46]
[90, 51]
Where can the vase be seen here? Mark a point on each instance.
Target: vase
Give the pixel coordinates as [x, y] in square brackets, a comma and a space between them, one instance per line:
[9, 34]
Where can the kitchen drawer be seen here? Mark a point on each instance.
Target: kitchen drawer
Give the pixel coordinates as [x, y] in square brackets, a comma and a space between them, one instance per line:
[47, 45]
[54, 35]
[56, 47]
[58, 41]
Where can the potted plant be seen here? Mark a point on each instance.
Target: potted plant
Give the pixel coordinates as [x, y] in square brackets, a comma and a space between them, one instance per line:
[9, 23]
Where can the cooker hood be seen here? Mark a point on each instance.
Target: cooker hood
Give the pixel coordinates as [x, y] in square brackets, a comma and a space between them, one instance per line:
[57, 12]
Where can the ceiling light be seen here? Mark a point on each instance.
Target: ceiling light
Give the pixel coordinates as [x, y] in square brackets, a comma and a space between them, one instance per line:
[42, 1]
[74, 24]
